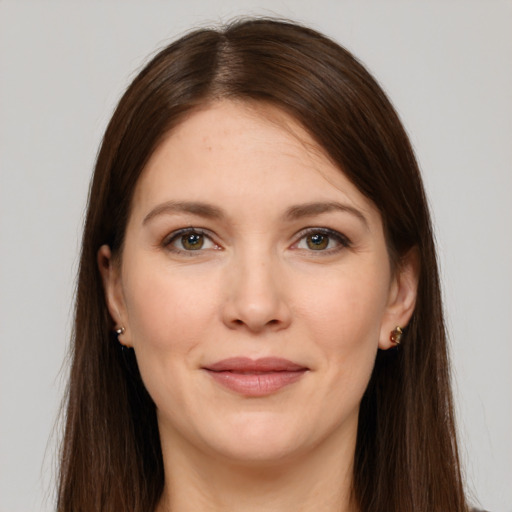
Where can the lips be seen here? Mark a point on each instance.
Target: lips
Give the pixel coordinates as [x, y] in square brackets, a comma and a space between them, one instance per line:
[258, 377]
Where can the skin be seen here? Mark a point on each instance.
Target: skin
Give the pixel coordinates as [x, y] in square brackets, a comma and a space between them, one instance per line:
[258, 287]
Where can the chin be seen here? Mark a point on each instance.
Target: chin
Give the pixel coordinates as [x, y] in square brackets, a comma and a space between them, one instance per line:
[260, 439]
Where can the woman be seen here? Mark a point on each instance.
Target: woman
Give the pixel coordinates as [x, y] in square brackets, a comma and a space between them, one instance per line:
[258, 318]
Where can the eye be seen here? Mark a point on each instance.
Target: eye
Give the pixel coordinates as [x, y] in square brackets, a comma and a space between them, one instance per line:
[317, 241]
[192, 241]
[322, 239]
[189, 240]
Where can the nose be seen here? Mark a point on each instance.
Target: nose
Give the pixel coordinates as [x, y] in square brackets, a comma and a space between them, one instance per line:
[256, 295]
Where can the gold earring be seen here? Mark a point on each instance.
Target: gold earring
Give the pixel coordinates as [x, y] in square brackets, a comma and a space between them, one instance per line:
[396, 335]
[120, 331]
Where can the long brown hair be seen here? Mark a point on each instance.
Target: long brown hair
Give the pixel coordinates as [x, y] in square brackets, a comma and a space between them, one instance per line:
[406, 453]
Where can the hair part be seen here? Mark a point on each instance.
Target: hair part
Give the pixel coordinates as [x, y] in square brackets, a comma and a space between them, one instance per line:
[406, 453]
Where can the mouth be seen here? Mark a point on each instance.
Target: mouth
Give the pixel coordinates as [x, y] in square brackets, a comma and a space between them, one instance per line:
[255, 378]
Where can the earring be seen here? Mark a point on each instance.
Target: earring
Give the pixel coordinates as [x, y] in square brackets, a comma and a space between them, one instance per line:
[396, 335]
[120, 331]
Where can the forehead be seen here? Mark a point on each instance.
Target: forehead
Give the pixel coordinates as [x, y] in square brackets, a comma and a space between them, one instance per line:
[239, 150]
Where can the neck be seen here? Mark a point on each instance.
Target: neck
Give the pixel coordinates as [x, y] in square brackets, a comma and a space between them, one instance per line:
[318, 480]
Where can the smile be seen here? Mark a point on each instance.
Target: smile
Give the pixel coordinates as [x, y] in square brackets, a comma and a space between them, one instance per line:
[255, 377]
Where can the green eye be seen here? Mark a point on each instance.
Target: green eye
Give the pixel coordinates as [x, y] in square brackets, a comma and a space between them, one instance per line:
[192, 241]
[317, 241]
[322, 240]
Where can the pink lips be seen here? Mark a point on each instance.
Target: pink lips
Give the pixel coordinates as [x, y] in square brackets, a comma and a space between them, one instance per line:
[255, 377]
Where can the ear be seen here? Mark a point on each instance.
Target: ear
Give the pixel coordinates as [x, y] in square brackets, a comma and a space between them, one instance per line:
[402, 297]
[111, 275]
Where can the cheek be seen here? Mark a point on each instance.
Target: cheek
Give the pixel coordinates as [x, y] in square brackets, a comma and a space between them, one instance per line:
[161, 303]
[169, 317]
[345, 320]
[347, 308]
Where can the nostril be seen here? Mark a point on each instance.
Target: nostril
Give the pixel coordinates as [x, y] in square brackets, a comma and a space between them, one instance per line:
[270, 323]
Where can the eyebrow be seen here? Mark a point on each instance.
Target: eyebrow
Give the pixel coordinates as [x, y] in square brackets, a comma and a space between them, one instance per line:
[311, 209]
[196, 208]
[296, 212]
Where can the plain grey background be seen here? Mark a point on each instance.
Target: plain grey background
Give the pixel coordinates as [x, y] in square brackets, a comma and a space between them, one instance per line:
[447, 66]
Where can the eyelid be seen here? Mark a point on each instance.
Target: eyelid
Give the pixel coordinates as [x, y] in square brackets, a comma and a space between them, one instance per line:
[340, 238]
[171, 237]
[343, 240]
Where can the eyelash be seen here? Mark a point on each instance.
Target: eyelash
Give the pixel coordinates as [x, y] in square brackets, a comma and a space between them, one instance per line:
[176, 235]
[342, 241]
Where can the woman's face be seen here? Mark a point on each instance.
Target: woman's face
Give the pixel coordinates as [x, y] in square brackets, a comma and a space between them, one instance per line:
[254, 286]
